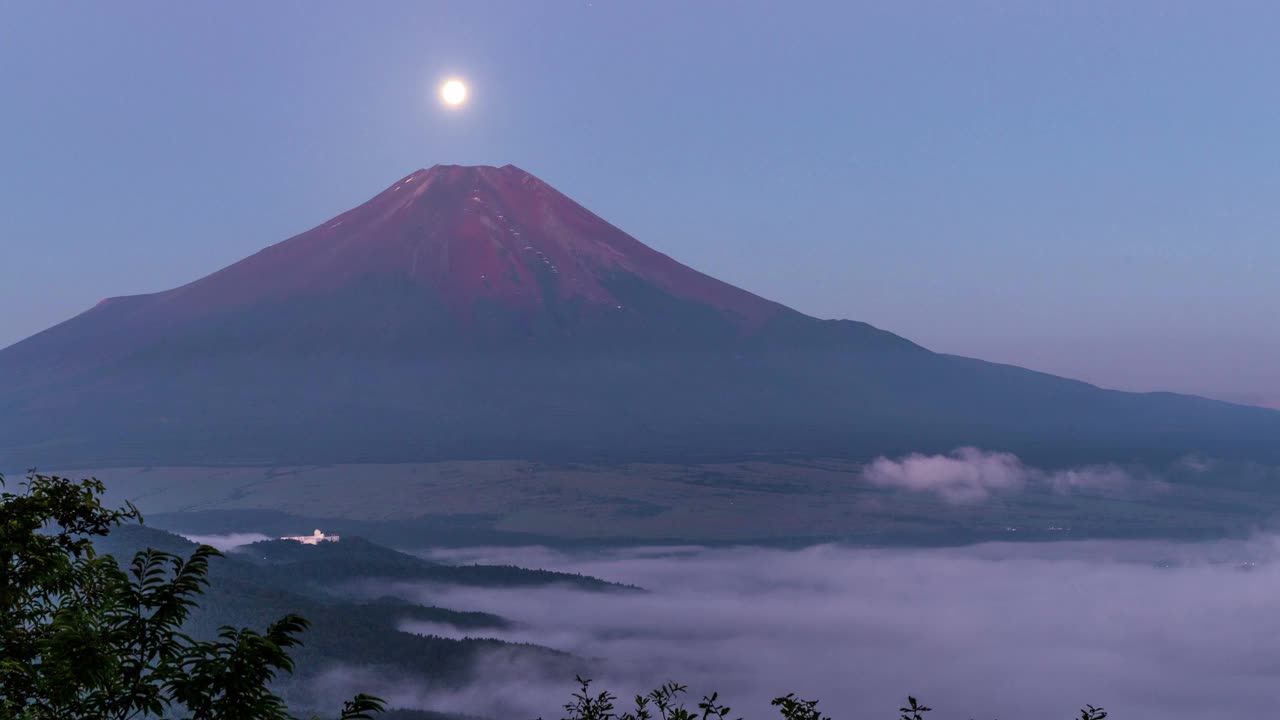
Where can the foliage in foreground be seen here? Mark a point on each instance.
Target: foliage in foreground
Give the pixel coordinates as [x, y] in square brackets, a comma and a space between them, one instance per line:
[82, 638]
[665, 703]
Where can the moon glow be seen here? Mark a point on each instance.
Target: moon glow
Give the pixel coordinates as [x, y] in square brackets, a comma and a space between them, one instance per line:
[453, 93]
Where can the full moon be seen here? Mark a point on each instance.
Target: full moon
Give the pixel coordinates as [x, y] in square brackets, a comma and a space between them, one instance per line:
[453, 92]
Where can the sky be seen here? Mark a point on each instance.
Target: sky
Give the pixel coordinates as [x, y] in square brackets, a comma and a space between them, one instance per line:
[1083, 188]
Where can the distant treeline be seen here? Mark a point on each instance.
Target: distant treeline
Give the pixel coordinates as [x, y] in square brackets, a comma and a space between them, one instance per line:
[666, 703]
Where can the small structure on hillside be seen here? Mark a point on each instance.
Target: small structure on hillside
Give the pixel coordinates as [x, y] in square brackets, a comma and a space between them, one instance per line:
[313, 539]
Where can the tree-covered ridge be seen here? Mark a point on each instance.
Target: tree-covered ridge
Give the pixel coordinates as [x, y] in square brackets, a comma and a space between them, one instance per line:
[258, 584]
[357, 559]
[245, 591]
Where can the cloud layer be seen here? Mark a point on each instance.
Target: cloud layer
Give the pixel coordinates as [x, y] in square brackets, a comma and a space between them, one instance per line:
[1149, 630]
[970, 475]
[229, 541]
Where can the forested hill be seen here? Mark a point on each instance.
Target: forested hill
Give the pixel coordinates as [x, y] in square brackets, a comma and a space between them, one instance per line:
[354, 559]
[256, 587]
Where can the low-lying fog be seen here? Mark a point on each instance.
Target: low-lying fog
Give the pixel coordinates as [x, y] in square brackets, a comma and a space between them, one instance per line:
[1148, 630]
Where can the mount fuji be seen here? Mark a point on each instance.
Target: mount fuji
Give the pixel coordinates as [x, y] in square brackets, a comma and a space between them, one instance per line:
[476, 312]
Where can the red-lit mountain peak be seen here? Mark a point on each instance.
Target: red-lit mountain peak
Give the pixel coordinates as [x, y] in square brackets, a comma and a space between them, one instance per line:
[470, 234]
[443, 258]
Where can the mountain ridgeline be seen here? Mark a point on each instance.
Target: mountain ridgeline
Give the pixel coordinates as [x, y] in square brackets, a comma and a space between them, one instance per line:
[476, 312]
[260, 583]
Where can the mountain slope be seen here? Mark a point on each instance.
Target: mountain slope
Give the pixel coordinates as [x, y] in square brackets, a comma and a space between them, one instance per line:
[447, 258]
[475, 312]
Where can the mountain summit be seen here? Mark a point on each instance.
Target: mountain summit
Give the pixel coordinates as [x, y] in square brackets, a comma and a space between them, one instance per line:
[473, 312]
[445, 259]
[476, 239]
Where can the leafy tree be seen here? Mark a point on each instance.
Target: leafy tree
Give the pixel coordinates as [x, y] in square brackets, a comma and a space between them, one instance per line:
[913, 710]
[793, 708]
[665, 701]
[82, 638]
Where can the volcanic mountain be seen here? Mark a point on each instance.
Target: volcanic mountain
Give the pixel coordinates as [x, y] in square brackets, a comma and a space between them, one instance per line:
[476, 312]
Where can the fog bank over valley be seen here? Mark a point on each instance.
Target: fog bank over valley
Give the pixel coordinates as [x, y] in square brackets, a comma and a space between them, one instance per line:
[1146, 629]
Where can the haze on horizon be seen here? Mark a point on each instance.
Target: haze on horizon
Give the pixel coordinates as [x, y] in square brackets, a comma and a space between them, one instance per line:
[1085, 190]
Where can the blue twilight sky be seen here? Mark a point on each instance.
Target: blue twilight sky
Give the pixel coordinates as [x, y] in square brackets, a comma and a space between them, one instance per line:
[1087, 188]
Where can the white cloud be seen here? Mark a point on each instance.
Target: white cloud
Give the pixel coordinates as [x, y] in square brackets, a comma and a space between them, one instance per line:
[965, 476]
[971, 475]
[229, 541]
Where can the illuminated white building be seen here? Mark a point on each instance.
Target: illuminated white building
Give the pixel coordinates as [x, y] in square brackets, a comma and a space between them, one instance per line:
[313, 539]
